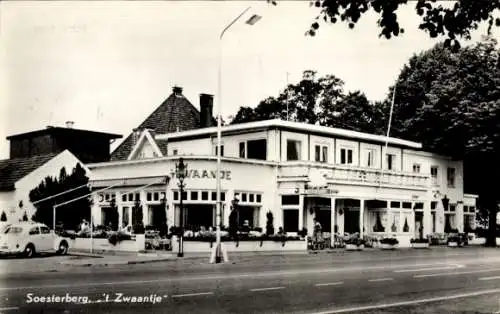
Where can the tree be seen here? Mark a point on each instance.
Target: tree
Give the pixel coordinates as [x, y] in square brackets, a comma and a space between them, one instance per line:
[454, 21]
[25, 217]
[71, 214]
[316, 100]
[450, 101]
[137, 217]
[3, 217]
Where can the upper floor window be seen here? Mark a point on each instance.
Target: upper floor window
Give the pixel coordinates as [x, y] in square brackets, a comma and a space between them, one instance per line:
[391, 158]
[370, 157]
[174, 152]
[221, 150]
[434, 174]
[346, 156]
[321, 153]
[254, 149]
[416, 168]
[293, 149]
[450, 176]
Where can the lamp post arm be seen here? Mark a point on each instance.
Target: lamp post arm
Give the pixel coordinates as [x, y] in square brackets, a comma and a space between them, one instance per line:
[232, 22]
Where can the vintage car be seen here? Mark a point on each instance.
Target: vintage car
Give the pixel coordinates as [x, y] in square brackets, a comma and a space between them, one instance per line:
[29, 238]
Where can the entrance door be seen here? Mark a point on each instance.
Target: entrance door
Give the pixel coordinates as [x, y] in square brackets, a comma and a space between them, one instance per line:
[158, 215]
[199, 215]
[325, 219]
[110, 217]
[419, 224]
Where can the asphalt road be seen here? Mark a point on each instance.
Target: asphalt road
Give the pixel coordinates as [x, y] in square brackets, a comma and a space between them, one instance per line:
[439, 281]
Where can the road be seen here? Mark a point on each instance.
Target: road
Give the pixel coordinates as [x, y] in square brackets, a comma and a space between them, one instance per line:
[418, 281]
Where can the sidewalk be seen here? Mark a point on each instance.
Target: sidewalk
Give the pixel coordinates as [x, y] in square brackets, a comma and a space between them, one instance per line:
[85, 259]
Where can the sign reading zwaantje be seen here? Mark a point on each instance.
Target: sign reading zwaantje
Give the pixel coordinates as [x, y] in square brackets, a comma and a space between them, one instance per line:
[204, 174]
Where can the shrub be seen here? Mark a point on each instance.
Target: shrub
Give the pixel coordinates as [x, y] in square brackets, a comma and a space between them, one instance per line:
[258, 229]
[117, 237]
[419, 240]
[389, 241]
[355, 241]
[303, 232]
[269, 223]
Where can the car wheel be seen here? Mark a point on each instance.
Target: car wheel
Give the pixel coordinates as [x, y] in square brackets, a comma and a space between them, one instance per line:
[63, 248]
[29, 251]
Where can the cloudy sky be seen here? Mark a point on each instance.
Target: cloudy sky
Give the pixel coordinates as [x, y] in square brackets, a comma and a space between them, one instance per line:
[107, 65]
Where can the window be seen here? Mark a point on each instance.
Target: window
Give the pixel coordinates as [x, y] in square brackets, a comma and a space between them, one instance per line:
[204, 196]
[257, 149]
[251, 198]
[45, 230]
[243, 153]
[395, 205]
[370, 157]
[290, 200]
[450, 175]
[407, 205]
[321, 153]
[176, 196]
[258, 198]
[453, 207]
[433, 205]
[390, 161]
[293, 150]
[174, 152]
[472, 209]
[124, 197]
[34, 230]
[416, 168]
[148, 196]
[243, 197]
[124, 215]
[156, 196]
[434, 175]
[214, 196]
[418, 206]
[194, 195]
[346, 156]
[184, 196]
[221, 150]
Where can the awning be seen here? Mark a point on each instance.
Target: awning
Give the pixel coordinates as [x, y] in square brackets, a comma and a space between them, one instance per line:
[129, 182]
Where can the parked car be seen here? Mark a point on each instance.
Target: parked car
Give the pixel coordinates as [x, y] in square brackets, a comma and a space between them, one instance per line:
[29, 238]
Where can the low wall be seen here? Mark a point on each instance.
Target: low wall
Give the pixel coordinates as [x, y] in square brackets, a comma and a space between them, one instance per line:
[103, 245]
[242, 246]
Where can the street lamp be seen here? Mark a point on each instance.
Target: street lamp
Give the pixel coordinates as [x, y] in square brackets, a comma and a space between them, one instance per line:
[180, 170]
[251, 21]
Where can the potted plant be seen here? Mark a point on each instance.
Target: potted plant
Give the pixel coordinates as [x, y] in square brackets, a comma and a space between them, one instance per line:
[420, 243]
[388, 243]
[354, 244]
[454, 240]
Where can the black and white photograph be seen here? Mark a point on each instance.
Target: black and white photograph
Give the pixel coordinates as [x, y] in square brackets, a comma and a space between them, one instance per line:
[265, 156]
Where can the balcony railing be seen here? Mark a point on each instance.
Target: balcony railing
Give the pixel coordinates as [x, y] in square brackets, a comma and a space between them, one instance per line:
[358, 175]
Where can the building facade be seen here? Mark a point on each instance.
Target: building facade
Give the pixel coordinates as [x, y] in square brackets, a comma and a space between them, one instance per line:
[349, 181]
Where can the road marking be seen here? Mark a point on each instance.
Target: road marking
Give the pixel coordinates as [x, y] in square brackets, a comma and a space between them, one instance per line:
[191, 294]
[412, 302]
[266, 289]
[12, 308]
[490, 278]
[380, 279]
[457, 273]
[329, 284]
[454, 266]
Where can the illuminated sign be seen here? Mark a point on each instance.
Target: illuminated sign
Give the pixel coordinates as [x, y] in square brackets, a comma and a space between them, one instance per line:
[204, 174]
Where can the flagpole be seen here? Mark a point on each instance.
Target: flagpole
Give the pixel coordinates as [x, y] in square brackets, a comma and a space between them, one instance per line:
[388, 133]
[287, 73]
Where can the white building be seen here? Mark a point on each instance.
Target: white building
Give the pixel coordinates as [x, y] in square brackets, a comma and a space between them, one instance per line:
[347, 179]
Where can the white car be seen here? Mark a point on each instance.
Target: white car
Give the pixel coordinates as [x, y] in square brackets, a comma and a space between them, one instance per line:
[29, 238]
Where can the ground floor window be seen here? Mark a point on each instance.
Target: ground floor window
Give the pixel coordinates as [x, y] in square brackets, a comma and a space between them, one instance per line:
[351, 221]
[125, 216]
[449, 225]
[250, 214]
[157, 215]
[110, 217]
[291, 220]
[468, 223]
[196, 216]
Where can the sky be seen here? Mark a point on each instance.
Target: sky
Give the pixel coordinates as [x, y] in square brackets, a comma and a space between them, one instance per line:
[108, 65]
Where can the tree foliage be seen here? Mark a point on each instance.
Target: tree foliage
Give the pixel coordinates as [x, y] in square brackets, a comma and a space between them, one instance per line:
[453, 20]
[316, 100]
[71, 214]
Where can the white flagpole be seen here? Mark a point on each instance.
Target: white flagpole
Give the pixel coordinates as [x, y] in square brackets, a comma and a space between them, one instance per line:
[388, 133]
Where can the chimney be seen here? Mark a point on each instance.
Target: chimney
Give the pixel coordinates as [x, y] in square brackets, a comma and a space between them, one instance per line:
[70, 124]
[206, 108]
[177, 90]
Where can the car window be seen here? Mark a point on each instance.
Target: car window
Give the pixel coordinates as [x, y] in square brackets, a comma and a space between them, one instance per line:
[13, 230]
[45, 230]
[34, 230]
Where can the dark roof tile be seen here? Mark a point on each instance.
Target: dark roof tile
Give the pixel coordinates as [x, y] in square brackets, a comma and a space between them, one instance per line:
[12, 170]
[176, 113]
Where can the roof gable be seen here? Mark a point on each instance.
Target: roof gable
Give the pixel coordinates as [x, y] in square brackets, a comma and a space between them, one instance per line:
[175, 114]
[13, 170]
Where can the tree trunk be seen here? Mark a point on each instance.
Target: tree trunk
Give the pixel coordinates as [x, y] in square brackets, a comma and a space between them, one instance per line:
[492, 226]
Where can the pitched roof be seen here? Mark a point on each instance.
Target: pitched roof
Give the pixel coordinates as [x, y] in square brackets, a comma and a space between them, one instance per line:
[176, 113]
[12, 170]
